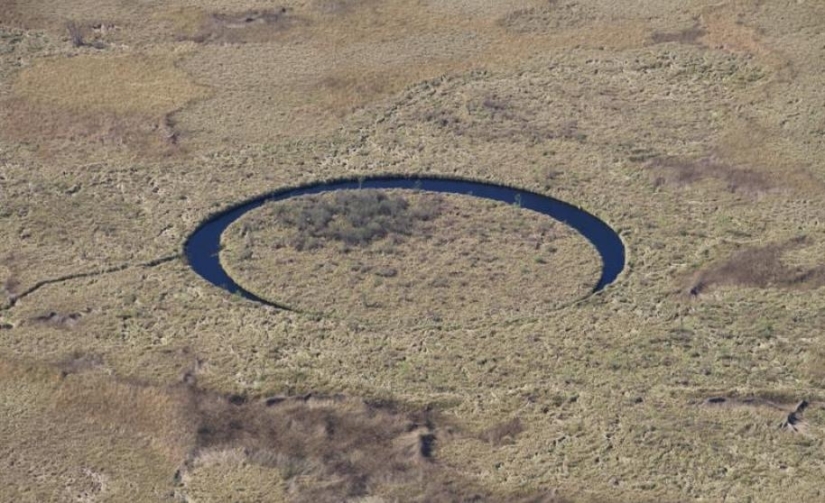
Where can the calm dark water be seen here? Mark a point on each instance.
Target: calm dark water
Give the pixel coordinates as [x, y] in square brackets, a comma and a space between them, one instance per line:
[203, 246]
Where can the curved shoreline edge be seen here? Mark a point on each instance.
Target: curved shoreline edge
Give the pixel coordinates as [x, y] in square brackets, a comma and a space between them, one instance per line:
[202, 248]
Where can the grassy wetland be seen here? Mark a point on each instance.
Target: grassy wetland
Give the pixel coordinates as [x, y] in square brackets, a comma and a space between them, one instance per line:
[694, 128]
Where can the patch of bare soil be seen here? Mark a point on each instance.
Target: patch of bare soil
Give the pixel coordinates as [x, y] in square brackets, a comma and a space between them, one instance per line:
[726, 30]
[684, 171]
[760, 267]
[262, 25]
[690, 35]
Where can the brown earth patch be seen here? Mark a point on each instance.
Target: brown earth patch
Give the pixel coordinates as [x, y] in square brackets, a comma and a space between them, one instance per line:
[10, 14]
[263, 25]
[760, 267]
[687, 36]
[768, 150]
[684, 171]
[726, 30]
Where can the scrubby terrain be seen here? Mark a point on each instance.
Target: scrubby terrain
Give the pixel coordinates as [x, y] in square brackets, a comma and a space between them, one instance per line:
[694, 128]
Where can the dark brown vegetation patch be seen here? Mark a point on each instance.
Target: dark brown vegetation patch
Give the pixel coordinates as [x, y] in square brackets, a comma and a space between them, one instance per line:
[501, 116]
[324, 448]
[261, 25]
[61, 320]
[349, 447]
[349, 444]
[354, 218]
[89, 34]
[683, 171]
[687, 36]
[760, 267]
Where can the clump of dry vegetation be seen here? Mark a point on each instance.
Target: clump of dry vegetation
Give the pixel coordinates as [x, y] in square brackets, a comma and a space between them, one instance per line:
[687, 36]
[500, 116]
[760, 267]
[87, 34]
[10, 285]
[355, 218]
[683, 171]
[549, 15]
[258, 26]
[59, 319]
[503, 433]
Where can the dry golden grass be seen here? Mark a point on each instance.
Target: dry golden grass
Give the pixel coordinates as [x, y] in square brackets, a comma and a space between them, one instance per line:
[103, 102]
[122, 85]
[590, 101]
[725, 30]
[45, 422]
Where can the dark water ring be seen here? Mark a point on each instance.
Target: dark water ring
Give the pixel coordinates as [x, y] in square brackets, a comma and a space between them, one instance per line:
[203, 246]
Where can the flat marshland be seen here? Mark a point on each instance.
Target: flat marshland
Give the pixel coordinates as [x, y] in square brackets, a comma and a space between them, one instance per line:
[440, 347]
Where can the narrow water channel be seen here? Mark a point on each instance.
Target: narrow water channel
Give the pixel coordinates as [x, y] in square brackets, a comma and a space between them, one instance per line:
[202, 249]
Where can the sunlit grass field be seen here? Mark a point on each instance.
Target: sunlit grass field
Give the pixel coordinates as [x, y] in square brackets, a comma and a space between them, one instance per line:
[454, 355]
